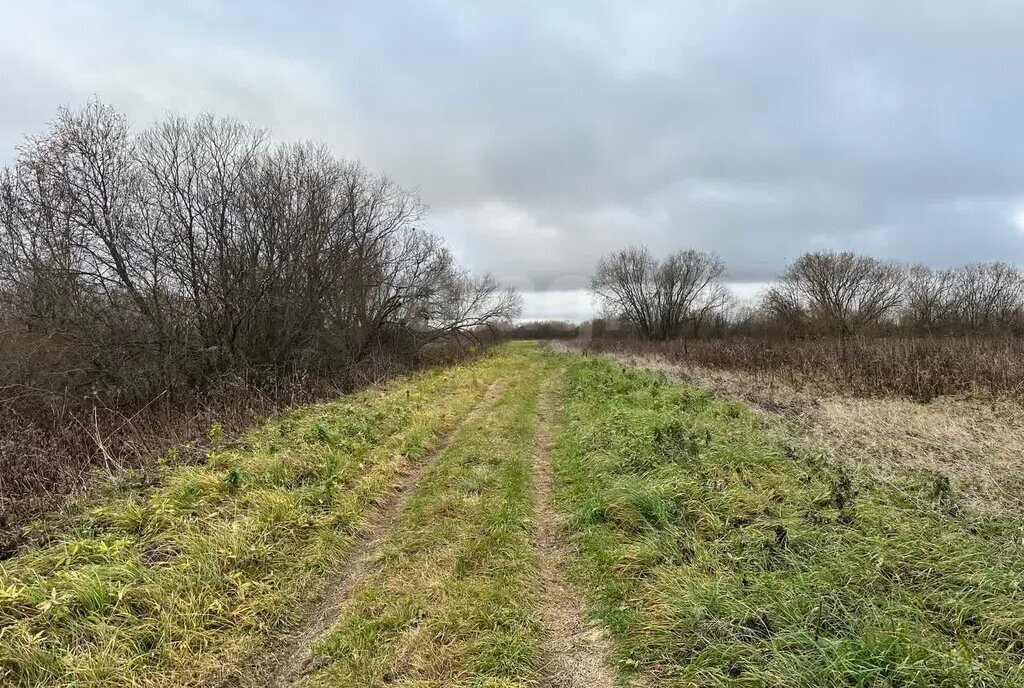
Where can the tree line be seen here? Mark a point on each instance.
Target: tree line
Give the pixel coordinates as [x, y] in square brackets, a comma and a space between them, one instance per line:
[139, 261]
[834, 293]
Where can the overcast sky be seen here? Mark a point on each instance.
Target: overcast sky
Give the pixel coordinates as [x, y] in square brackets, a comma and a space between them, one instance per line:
[543, 134]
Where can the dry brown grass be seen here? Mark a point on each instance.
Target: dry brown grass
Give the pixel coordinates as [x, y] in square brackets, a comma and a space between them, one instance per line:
[978, 445]
[921, 367]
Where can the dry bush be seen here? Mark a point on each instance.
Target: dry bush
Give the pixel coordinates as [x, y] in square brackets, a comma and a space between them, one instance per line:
[918, 367]
[541, 330]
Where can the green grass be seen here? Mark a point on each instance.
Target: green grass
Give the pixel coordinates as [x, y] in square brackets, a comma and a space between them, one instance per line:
[719, 555]
[452, 603]
[715, 551]
[167, 585]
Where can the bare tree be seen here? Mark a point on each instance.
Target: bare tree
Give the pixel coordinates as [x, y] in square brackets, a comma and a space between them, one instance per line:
[840, 292]
[660, 298]
[465, 305]
[988, 296]
[930, 303]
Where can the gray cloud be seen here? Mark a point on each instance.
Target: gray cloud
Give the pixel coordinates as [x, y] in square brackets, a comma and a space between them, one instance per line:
[544, 134]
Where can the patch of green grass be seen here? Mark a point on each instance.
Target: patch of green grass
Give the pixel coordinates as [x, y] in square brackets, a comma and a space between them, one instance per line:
[452, 601]
[718, 555]
[170, 584]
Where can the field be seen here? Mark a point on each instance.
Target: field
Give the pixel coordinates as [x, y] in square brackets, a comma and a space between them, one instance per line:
[535, 517]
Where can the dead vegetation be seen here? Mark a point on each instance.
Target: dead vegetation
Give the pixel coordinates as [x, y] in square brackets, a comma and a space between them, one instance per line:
[183, 580]
[921, 368]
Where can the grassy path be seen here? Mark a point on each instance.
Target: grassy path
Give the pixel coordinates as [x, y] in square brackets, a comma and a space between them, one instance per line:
[451, 601]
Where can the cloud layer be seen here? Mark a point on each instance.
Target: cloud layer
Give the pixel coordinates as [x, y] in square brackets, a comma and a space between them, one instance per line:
[544, 134]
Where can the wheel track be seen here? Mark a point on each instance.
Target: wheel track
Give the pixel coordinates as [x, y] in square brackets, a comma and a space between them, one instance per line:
[288, 666]
[575, 653]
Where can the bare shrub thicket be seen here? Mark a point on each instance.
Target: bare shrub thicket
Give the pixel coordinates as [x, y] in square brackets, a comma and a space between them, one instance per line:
[141, 270]
[841, 321]
[541, 330]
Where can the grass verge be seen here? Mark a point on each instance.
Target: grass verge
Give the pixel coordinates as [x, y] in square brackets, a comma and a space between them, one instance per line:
[170, 584]
[452, 600]
[720, 555]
